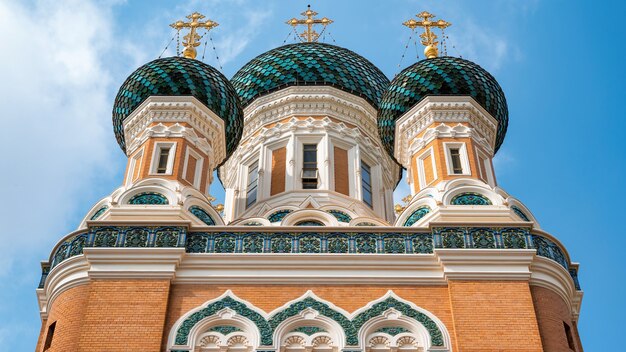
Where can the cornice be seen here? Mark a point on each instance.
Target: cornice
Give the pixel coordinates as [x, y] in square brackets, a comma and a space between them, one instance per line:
[443, 110]
[207, 127]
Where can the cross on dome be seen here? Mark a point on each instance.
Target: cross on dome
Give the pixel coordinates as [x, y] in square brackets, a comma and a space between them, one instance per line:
[192, 40]
[309, 35]
[429, 39]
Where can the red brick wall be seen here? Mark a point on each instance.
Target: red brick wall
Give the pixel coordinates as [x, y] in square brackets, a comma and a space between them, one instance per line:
[494, 316]
[552, 312]
[67, 311]
[124, 315]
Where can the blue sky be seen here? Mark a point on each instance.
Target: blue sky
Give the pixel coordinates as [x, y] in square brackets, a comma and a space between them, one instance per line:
[559, 63]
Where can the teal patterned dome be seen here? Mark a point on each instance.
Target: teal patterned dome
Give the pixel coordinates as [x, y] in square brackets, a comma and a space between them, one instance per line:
[310, 64]
[440, 76]
[179, 76]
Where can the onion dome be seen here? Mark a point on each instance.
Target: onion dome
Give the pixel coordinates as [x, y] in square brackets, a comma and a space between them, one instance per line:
[179, 76]
[435, 77]
[310, 64]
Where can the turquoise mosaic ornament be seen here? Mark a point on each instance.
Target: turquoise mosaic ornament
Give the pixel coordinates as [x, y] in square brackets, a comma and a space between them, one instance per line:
[440, 76]
[148, 198]
[310, 64]
[179, 76]
[416, 215]
[99, 212]
[520, 213]
[470, 199]
[340, 215]
[202, 215]
[278, 215]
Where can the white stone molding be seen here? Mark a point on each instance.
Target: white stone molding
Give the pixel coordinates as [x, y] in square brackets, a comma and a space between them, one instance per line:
[551, 275]
[309, 214]
[266, 268]
[444, 110]
[310, 101]
[144, 263]
[69, 273]
[206, 129]
[300, 199]
[486, 264]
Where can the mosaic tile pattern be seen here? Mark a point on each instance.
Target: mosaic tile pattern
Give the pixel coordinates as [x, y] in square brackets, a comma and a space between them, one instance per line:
[148, 198]
[470, 199]
[422, 241]
[416, 215]
[440, 76]
[310, 64]
[278, 215]
[520, 213]
[202, 215]
[340, 215]
[179, 76]
[99, 212]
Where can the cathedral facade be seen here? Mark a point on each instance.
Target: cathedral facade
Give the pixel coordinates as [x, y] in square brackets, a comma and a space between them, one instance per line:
[309, 253]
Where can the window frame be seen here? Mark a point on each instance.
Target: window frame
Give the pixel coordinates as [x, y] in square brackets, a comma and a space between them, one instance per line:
[463, 155]
[370, 184]
[304, 164]
[156, 153]
[254, 164]
[197, 177]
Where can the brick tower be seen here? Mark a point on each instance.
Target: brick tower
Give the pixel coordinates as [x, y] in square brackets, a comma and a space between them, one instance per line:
[309, 253]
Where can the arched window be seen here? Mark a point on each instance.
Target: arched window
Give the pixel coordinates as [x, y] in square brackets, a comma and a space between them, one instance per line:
[309, 223]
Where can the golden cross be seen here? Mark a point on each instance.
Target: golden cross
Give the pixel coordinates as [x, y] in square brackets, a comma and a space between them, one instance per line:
[310, 35]
[192, 40]
[429, 39]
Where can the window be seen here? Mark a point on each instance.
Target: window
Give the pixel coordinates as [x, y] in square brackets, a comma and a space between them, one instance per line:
[164, 154]
[309, 166]
[49, 336]
[253, 181]
[570, 337]
[455, 157]
[163, 159]
[366, 183]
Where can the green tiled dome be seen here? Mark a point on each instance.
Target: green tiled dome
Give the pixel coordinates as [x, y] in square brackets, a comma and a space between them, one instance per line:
[179, 76]
[310, 64]
[440, 76]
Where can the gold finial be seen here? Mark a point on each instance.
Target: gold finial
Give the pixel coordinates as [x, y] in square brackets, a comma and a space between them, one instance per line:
[399, 208]
[429, 39]
[309, 35]
[192, 40]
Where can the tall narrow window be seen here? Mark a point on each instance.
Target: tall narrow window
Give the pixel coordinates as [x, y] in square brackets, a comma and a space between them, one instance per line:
[455, 158]
[49, 336]
[164, 153]
[253, 181]
[570, 337]
[366, 183]
[309, 166]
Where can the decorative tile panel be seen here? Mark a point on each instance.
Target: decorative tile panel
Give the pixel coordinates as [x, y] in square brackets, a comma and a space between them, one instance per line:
[340, 215]
[470, 199]
[416, 215]
[520, 213]
[202, 214]
[148, 198]
[279, 215]
[99, 212]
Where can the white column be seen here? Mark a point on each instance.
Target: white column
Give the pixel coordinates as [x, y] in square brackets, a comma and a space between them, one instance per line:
[290, 164]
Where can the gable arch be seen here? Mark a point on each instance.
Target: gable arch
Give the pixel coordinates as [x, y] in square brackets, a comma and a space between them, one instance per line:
[226, 309]
[310, 307]
[393, 310]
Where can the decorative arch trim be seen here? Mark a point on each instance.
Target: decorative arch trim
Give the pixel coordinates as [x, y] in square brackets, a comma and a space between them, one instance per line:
[202, 214]
[351, 324]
